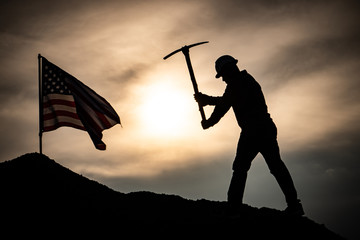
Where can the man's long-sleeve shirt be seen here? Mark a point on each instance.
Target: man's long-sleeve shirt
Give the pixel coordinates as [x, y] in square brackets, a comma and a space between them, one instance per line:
[246, 98]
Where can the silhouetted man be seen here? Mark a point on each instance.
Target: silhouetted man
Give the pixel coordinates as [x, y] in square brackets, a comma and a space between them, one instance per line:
[258, 135]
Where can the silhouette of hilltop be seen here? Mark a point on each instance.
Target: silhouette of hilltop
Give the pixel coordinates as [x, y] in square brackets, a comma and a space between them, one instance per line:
[40, 195]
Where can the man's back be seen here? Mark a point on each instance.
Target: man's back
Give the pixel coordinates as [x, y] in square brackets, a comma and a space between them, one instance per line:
[245, 96]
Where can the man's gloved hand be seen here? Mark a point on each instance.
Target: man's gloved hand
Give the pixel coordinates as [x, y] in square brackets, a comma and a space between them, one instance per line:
[202, 99]
[205, 124]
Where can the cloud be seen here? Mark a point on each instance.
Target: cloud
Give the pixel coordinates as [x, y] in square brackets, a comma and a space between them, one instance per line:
[314, 55]
[305, 55]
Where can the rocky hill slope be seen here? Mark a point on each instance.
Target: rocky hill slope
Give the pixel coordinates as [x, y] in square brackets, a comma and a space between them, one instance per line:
[39, 195]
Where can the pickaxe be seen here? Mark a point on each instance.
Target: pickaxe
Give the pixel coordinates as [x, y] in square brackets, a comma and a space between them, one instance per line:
[185, 51]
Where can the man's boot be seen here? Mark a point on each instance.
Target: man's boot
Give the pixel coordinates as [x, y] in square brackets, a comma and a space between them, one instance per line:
[236, 188]
[294, 209]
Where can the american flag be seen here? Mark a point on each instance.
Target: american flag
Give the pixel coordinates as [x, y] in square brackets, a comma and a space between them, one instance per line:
[68, 102]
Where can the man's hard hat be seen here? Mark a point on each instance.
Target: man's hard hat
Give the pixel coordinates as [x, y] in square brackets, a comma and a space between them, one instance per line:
[221, 62]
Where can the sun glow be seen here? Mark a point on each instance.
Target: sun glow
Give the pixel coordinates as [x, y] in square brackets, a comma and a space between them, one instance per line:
[165, 111]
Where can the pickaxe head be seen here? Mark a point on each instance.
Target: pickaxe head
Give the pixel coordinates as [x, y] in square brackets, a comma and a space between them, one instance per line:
[184, 49]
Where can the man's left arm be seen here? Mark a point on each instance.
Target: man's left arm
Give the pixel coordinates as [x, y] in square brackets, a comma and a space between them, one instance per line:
[221, 108]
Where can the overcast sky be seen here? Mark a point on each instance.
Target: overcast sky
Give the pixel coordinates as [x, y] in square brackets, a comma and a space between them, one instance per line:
[305, 55]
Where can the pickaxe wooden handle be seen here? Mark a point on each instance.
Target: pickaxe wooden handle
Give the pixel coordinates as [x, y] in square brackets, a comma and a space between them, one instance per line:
[185, 51]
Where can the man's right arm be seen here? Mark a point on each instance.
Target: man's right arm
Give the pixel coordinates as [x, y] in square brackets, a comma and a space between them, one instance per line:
[220, 110]
[223, 105]
[204, 99]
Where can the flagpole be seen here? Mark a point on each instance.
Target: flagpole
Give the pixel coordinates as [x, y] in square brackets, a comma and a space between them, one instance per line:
[40, 105]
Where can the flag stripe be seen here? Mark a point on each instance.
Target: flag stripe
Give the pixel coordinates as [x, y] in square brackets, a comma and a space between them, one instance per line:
[58, 99]
[59, 108]
[63, 119]
[60, 113]
[51, 102]
[53, 126]
[51, 96]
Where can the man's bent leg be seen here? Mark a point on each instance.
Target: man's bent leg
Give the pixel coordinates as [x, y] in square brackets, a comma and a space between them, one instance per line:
[246, 152]
[237, 186]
